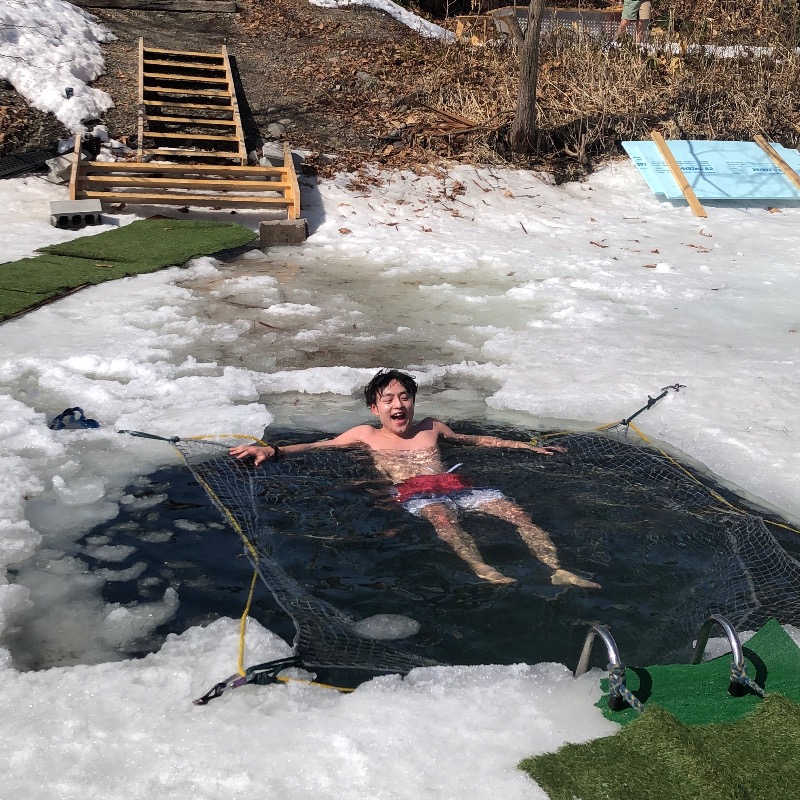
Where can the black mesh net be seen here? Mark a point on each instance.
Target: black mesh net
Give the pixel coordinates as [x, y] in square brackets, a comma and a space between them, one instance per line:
[715, 558]
[253, 499]
[747, 575]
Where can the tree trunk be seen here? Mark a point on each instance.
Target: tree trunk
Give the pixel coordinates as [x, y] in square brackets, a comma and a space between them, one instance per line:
[523, 129]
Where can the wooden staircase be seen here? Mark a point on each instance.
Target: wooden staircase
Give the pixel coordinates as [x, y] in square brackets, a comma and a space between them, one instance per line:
[187, 107]
[191, 149]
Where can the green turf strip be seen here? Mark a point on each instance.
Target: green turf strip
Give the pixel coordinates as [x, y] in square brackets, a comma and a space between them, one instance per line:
[657, 757]
[694, 740]
[158, 240]
[12, 303]
[53, 274]
[143, 246]
[699, 693]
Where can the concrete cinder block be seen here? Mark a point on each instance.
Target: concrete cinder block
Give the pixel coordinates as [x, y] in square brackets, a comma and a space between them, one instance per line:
[60, 168]
[75, 213]
[282, 231]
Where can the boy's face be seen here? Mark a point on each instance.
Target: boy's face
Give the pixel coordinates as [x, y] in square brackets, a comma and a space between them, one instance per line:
[395, 408]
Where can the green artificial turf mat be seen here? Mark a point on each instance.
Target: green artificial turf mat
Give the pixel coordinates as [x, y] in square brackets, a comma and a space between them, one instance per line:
[142, 246]
[698, 693]
[159, 240]
[53, 274]
[657, 757]
[13, 302]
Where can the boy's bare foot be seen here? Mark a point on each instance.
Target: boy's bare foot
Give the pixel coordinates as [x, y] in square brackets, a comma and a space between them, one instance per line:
[490, 574]
[563, 577]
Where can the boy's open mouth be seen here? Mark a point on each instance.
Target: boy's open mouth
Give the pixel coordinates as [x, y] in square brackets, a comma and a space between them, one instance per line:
[399, 415]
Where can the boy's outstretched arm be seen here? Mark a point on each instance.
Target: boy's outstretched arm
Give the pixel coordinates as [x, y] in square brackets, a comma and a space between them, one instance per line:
[260, 453]
[493, 441]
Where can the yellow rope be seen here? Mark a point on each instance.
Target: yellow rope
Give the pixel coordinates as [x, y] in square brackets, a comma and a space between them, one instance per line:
[212, 436]
[714, 494]
[343, 689]
[243, 624]
[238, 528]
[212, 494]
[555, 434]
[242, 627]
[677, 464]
[254, 553]
[685, 471]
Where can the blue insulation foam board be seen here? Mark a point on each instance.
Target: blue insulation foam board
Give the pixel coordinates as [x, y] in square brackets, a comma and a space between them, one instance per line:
[717, 170]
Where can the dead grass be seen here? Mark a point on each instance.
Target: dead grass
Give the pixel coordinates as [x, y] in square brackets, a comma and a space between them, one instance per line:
[369, 90]
[591, 98]
[754, 22]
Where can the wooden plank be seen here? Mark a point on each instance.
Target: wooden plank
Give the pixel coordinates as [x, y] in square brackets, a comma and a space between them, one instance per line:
[181, 182]
[140, 109]
[677, 173]
[137, 198]
[163, 76]
[779, 161]
[186, 91]
[177, 104]
[292, 194]
[192, 121]
[235, 106]
[74, 176]
[209, 6]
[192, 53]
[155, 62]
[178, 151]
[201, 137]
[228, 170]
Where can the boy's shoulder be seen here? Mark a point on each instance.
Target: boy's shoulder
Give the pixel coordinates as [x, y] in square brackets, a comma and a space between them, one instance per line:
[365, 428]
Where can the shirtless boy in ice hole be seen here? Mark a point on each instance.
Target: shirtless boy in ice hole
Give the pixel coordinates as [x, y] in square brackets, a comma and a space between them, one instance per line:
[408, 454]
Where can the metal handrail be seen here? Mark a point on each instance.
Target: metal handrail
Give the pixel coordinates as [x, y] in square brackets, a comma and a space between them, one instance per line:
[740, 684]
[619, 696]
[611, 647]
[733, 639]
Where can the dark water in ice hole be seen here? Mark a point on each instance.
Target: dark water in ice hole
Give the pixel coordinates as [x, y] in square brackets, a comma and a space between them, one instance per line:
[373, 558]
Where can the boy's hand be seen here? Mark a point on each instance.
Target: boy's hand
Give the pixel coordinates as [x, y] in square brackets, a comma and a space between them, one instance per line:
[260, 454]
[550, 450]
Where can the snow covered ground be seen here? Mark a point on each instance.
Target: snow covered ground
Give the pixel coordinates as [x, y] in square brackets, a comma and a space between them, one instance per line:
[510, 298]
[48, 47]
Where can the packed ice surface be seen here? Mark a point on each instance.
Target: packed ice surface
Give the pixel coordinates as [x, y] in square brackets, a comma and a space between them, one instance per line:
[511, 299]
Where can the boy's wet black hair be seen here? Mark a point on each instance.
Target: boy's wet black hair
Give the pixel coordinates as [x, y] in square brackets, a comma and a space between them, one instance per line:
[374, 389]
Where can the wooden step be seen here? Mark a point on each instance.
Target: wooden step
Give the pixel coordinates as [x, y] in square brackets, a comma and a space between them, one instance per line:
[204, 137]
[154, 62]
[198, 185]
[215, 56]
[186, 91]
[175, 104]
[136, 167]
[191, 121]
[165, 152]
[181, 182]
[141, 198]
[163, 76]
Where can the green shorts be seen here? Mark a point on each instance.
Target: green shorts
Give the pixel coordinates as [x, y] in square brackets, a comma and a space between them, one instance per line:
[635, 9]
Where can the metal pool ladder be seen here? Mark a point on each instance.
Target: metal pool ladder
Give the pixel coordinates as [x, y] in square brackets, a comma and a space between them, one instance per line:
[620, 697]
